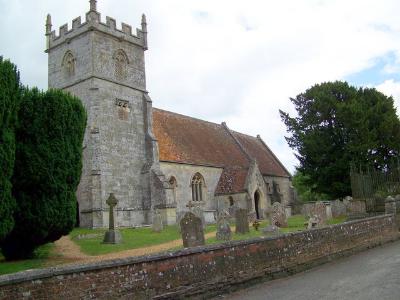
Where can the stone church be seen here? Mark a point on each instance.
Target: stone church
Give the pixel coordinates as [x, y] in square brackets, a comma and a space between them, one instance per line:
[151, 159]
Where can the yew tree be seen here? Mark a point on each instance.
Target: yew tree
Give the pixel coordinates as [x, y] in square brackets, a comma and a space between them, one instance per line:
[9, 98]
[47, 170]
[338, 125]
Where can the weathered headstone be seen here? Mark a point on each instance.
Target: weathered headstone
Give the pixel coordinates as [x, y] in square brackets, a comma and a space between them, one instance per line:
[242, 221]
[112, 236]
[338, 208]
[357, 209]
[157, 225]
[314, 222]
[278, 215]
[390, 205]
[192, 230]
[319, 210]
[198, 211]
[224, 232]
[328, 207]
[307, 208]
[270, 231]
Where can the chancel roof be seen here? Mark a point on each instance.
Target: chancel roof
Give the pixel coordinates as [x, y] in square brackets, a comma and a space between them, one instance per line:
[187, 140]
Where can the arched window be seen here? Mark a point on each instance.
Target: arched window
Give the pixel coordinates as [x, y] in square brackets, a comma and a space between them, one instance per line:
[231, 202]
[68, 64]
[121, 64]
[173, 183]
[197, 187]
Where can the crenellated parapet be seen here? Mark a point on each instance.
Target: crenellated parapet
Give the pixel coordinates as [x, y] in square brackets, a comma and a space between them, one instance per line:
[93, 22]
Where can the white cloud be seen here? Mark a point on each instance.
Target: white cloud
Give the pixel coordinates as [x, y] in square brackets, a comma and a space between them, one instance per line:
[226, 60]
[391, 88]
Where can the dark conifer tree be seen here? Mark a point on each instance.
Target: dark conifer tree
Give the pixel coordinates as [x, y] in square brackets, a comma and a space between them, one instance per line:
[47, 169]
[9, 98]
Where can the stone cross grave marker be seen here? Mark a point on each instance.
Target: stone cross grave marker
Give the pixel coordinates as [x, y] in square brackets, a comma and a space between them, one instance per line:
[242, 221]
[112, 236]
[278, 215]
[157, 225]
[198, 211]
[224, 232]
[192, 230]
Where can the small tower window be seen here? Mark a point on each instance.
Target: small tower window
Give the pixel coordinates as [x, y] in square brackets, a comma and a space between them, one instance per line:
[121, 64]
[123, 109]
[197, 187]
[68, 64]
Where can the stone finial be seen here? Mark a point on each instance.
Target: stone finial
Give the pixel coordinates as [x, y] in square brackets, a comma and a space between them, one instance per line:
[144, 30]
[144, 22]
[93, 5]
[48, 24]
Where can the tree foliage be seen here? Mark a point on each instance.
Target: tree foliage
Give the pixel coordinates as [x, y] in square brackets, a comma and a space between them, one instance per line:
[337, 125]
[47, 169]
[304, 188]
[9, 98]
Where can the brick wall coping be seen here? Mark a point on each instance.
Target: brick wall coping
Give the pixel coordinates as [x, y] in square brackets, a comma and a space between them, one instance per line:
[38, 274]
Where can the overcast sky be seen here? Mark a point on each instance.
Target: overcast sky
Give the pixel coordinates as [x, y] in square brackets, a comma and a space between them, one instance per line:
[228, 60]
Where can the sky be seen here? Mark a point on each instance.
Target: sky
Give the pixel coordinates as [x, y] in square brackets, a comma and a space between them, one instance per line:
[233, 61]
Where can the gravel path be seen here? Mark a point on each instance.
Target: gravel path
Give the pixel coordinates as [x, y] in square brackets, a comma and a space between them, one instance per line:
[67, 252]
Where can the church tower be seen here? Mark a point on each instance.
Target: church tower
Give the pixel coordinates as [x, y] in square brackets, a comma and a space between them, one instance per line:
[105, 67]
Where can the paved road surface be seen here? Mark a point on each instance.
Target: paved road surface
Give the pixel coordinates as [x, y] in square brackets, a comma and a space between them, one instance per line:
[373, 274]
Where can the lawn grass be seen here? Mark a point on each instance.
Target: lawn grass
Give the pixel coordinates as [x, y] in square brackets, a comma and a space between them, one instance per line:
[132, 238]
[37, 261]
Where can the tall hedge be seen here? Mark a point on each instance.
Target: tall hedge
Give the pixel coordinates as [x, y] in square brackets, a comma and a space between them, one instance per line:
[9, 98]
[47, 169]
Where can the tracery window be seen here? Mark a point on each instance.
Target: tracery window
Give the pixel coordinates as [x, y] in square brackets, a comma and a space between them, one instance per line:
[120, 64]
[68, 64]
[197, 187]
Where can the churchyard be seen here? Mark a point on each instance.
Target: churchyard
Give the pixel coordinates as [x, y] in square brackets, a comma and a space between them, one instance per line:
[141, 240]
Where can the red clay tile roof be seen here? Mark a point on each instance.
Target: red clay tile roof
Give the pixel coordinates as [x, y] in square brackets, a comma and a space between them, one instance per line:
[232, 181]
[183, 139]
[266, 160]
[187, 140]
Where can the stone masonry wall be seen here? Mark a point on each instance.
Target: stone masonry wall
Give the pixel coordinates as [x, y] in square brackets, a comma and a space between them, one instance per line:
[201, 271]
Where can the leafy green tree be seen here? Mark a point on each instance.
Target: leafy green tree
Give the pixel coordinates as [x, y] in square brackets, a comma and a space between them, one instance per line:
[304, 187]
[9, 98]
[47, 170]
[336, 125]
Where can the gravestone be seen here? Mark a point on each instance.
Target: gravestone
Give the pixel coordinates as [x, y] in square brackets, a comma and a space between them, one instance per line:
[338, 208]
[112, 236]
[192, 230]
[242, 221]
[270, 231]
[314, 222]
[157, 225]
[278, 215]
[319, 210]
[224, 232]
[198, 211]
[306, 209]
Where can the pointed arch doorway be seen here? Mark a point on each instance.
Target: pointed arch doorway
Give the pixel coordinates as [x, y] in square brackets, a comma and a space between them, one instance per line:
[257, 204]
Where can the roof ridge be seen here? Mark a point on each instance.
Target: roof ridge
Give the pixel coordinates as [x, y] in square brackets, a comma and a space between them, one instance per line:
[273, 154]
[186, 116]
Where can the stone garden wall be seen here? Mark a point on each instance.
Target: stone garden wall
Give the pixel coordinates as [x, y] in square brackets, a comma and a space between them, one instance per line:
[200, 271]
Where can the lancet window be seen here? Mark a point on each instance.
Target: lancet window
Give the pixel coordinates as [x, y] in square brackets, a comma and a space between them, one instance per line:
[197, 187]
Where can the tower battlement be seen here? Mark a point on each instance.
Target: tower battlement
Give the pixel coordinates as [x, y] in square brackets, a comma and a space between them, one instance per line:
[93, 22]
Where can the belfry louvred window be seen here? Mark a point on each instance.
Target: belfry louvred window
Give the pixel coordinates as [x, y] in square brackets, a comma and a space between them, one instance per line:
[197, 187]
